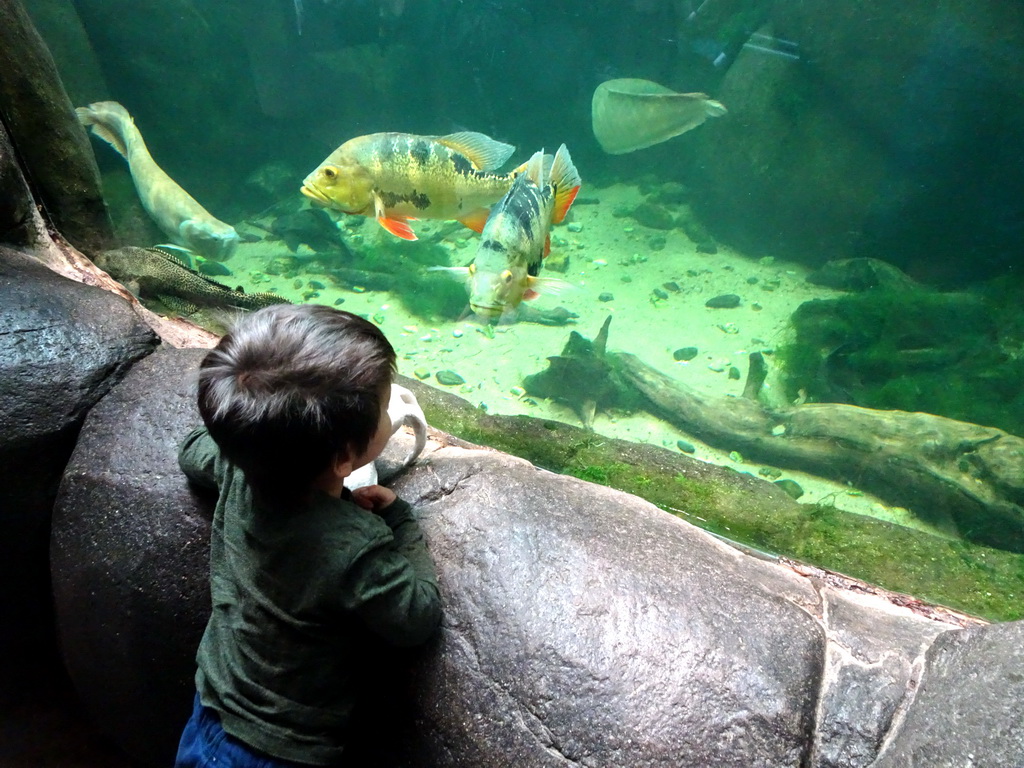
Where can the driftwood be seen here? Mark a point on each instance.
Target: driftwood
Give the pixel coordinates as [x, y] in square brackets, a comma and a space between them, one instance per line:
[964, 477]
[943, 470]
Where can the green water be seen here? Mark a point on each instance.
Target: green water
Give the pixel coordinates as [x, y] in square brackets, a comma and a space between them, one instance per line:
[852, 131]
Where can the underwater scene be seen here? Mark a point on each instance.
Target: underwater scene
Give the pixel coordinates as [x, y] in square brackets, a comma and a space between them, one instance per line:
[782, 236]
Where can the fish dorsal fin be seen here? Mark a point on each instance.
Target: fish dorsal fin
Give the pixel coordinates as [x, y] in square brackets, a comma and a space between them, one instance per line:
[485, 153]
[566, 182]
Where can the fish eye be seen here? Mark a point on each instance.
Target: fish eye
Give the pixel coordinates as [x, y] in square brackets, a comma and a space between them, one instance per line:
[330, 172]
[506, 276]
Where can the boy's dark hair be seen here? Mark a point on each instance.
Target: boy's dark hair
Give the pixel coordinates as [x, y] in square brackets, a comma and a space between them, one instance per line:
[291, 386]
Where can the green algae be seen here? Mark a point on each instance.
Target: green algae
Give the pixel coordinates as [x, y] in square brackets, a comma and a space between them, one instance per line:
[750, 511]
[952, 354]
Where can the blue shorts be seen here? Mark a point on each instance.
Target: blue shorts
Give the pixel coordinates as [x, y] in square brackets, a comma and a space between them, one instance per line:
[204, 744]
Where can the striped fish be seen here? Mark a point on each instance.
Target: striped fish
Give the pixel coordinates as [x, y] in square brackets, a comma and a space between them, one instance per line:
[517, 237]
[396, 177]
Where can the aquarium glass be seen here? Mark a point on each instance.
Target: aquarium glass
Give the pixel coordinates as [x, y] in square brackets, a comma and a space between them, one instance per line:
[796, 244]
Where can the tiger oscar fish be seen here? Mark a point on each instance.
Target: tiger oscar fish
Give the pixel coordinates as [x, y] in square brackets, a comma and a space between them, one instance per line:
[173, 209]
[396, 177]
[517, 237]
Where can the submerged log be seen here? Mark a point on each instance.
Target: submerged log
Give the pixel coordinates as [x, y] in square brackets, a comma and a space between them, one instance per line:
[941, 469]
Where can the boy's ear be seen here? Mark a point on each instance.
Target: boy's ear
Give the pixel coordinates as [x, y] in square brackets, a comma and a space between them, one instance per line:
[341, 465]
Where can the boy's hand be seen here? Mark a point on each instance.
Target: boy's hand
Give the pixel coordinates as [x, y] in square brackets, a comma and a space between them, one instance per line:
[373, 497]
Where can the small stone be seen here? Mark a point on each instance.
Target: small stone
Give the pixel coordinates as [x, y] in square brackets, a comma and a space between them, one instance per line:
[685, 447]
[671, 285]
[654, 216]
[734, 373]
[606, 296]
[316, 285]
[770, 472]
[449, 378]
[718, 365]
[723, 301]
[657, 242]
[457, 333]
[685, 353]
[517, 391]
[660, 293]
[339, 301]
[574, 226]
[626, 279]
[422, 373]
[791, 487]
[378, 318]
[296, 284]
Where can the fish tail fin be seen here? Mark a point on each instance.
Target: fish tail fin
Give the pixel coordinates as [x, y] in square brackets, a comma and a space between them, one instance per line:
[566, 181]
[109, 121]
[536, 167]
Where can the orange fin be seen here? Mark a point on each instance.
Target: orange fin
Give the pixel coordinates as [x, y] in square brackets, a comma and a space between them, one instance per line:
[397, 227]
[566, 181]
[476, 219]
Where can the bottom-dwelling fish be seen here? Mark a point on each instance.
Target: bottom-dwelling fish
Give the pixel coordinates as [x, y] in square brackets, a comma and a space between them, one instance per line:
[517, 237]
[173, 209]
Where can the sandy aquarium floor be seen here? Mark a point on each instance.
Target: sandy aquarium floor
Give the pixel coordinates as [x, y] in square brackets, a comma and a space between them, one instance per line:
[608, 255]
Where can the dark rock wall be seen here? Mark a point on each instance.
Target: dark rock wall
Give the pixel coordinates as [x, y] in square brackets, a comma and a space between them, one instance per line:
[63, 345]
[52, 147]
[894, 136]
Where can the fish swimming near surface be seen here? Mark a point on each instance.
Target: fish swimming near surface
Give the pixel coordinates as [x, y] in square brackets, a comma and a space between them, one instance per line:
[516, 237]
[173, 209]
[395, 177]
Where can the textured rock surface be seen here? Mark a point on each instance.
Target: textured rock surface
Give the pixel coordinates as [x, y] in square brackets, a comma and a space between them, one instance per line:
[129, 560]
[62, 346]
[51, 144]
[583, 626]
[969, 708]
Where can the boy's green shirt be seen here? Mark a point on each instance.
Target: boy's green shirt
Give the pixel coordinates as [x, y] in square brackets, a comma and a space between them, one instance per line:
[295, 592]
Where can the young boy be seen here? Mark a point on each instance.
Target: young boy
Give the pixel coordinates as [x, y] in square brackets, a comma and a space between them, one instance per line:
[304, 574]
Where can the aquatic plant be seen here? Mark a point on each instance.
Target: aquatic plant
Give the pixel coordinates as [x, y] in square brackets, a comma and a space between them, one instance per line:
[950, 354]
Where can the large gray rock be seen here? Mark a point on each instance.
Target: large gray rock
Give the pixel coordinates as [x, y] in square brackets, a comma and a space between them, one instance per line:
[62, 347]
[583, 626]
[969, 707]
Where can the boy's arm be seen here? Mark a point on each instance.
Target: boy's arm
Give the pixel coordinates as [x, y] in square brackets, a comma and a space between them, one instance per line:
[197, 458]
[393, 586]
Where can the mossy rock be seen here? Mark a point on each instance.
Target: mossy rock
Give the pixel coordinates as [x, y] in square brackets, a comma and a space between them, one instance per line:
[751, 511]
[951, 354]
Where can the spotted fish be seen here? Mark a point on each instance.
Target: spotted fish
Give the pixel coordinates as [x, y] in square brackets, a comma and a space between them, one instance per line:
[516, 237]
[157, 274]
[396, 177]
